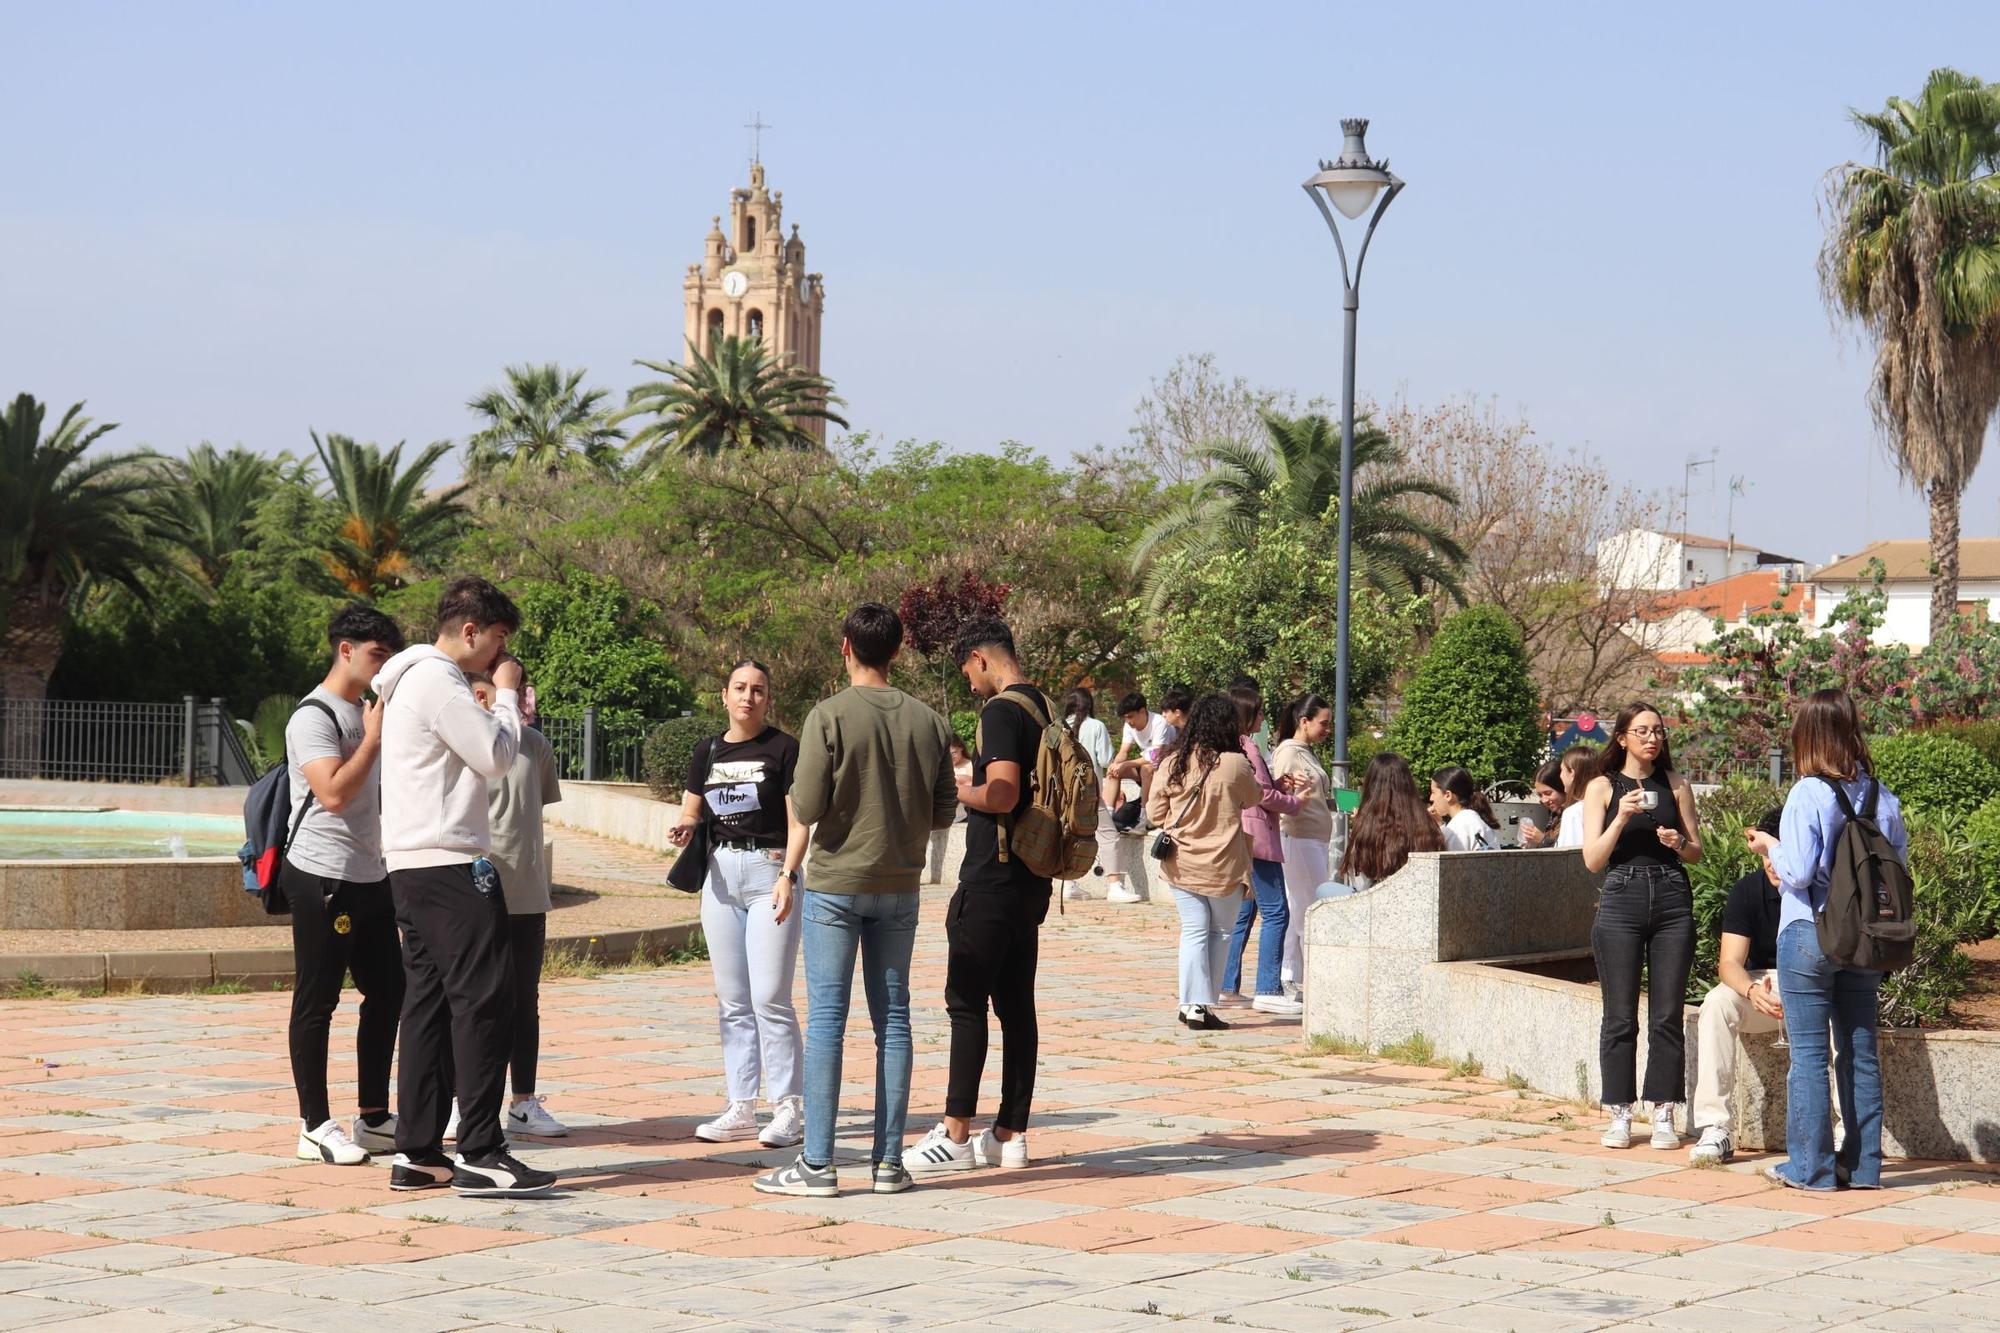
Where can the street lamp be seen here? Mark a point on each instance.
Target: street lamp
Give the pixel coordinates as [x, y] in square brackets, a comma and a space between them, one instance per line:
[1350, 183]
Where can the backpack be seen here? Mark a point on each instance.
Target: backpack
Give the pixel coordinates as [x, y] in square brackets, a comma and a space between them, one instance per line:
[1866, 919]
[1056, 836]
[267, 811]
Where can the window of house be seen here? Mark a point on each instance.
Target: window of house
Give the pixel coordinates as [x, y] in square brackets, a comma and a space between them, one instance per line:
[749, 233]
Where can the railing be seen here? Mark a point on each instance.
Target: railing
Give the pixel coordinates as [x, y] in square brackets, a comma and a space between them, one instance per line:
[585, 753]
[76, 740]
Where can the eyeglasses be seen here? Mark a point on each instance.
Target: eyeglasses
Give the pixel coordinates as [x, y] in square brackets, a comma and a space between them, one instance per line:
[1645, 733]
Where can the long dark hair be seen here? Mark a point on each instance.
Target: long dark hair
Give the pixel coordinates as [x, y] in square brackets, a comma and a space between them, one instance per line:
[1612, 758]
[1078, 704]
[1550, 775]
[1212, 731]
[1459, 784]
[1392, 822]
[1827, 738]
[1249, 701]
[1296, 712]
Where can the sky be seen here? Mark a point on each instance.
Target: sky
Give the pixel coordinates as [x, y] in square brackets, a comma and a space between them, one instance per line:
[239, 222]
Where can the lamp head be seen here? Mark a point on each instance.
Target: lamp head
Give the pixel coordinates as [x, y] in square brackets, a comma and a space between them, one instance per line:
[1352, 180]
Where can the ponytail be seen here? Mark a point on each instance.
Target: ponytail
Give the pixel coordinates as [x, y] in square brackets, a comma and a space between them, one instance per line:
[1484, 809]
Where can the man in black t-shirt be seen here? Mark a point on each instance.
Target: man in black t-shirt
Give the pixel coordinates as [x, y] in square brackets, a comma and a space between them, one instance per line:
[993, 925]
[1744, 1000]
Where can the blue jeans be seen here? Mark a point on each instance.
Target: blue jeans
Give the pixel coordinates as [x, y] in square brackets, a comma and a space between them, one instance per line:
[1268, 879]
[1817, 995]
[1203, 938]
[883, 927]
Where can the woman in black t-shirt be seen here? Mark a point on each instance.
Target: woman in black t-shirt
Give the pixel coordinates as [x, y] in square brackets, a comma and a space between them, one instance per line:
[739, 791]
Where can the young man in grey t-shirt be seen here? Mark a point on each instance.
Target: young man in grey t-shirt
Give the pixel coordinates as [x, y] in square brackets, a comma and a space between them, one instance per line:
[342, 917]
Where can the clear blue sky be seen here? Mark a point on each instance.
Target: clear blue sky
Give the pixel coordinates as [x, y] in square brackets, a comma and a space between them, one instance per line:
[235, 221]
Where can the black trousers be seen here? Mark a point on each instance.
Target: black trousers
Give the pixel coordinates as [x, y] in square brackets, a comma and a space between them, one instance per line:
[994, 938]
[1645, 917]
[337, 927]
[458, 1009]
[528, 940]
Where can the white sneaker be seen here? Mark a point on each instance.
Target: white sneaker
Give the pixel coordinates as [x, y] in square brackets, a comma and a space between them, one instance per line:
[737, 1121]
[1278, 1004]
[1715, 1146]
[330, 1144]
[1664, 1134]
[1619, 1135]
[1074, 892]
[375, 1138]
[937, 1153]
[788, 1127]
[1119, 893]
[451, 1125]
[530, 1118]
[990, 1150]
[1296, 990]
[1230, 999]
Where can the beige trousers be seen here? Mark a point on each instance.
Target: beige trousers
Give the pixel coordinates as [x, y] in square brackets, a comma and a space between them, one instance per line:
[1725, 1015]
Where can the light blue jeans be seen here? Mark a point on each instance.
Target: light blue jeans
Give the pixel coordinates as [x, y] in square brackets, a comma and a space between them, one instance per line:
[1268, 879]
[754, 958]
[1204, 940]
[882, 927]
[1819, 995]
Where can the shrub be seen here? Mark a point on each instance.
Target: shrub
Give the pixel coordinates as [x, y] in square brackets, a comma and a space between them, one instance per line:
[1935, 774]
[1983, 736]
[1955, 905]
[1725, 858]
[965, 725]
[669, 750]
[1472, 702]
[582, 643]
[1982, 832]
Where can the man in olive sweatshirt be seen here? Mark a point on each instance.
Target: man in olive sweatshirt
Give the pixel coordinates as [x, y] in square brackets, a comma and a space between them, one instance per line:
[874, 780]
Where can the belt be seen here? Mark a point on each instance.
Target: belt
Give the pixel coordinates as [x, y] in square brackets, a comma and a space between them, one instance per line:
[745, 845]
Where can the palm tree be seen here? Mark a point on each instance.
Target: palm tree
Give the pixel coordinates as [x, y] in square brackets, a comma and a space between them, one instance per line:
[1297, 479]
[1912, 255]
[387, 525]
[207, 501]
[540, 420]
[734, 397]
[65, 525]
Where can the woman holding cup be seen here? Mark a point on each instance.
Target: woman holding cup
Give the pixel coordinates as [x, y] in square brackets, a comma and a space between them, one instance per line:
[1640, 831]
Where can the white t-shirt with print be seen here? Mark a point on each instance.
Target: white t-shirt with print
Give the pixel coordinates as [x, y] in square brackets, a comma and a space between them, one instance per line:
[1151, 742]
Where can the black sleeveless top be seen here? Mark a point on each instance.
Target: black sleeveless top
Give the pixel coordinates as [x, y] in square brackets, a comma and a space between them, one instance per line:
[1639, 844]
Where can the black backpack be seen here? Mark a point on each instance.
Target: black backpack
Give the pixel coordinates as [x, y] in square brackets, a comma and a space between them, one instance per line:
[270, 826]
[1866, 920]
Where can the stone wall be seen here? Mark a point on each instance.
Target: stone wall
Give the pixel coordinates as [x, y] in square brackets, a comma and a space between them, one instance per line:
[155, 893]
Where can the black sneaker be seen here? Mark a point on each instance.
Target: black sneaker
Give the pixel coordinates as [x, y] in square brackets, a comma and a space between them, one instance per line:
[1207, 1020]
[425, 1171]
[499, 1175]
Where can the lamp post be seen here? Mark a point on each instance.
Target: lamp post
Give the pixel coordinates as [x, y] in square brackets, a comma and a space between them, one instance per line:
[1350, 184]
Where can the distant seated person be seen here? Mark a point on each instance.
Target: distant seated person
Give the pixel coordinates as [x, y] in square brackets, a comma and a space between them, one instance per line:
[1744, 1000]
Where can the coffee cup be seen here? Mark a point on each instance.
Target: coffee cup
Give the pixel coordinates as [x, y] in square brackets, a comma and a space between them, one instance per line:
[1648, 799]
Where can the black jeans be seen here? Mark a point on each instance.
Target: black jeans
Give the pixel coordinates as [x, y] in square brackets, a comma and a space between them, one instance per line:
[994, 940]
[529, 940]
[323, 953]
[458, 1010]
[1645, 916]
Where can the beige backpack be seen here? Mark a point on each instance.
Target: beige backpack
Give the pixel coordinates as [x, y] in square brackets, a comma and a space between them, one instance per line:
[1056, 836]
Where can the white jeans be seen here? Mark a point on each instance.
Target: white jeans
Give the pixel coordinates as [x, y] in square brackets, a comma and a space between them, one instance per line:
[1112, 846]
[1205, 926]
[1724, 1017]
[1305, 870]
[754, 958]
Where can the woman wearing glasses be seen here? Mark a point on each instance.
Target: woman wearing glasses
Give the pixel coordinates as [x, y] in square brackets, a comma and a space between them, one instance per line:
[1639, 831]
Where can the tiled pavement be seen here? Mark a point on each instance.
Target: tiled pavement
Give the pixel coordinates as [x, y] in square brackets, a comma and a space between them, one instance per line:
[1229, 1179]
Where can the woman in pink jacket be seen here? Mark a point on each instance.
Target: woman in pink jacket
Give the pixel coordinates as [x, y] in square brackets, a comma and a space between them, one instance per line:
[1267, 876]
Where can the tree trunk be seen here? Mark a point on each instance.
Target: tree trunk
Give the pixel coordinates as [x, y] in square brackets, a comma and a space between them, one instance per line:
[1944, 558]
[29, 649]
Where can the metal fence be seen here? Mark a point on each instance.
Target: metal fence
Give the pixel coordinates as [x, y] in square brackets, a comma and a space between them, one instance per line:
[585, 751]
[87, 741]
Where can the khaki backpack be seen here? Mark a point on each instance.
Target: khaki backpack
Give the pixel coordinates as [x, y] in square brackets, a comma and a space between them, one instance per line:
[1056, 836]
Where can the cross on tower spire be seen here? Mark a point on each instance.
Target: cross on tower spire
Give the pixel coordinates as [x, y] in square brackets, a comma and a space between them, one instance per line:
[757, 128]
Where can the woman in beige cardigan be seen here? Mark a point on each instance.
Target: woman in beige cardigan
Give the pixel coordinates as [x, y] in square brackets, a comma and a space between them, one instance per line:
[1203, 786]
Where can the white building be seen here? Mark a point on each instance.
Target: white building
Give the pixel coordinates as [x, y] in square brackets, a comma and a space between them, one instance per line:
[1907, 583]
[1640, 559]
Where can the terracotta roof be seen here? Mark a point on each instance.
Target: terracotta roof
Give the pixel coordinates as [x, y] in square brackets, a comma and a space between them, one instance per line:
[1734, 599]
[1910, 561]
[1683, 659]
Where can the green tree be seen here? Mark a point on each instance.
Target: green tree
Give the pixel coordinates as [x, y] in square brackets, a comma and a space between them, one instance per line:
[735, 396]
[1268, 609]
[208, 502]
[1471, 702]
[1912, 255]
[1296, 478]
[66, 525]
[586, 642]
[541, 420]
[387, 526]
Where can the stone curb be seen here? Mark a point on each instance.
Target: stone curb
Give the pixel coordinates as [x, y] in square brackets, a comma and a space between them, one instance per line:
[162, 971]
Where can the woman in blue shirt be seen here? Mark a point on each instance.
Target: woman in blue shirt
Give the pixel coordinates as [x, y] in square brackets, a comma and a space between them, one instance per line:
[1827, 747]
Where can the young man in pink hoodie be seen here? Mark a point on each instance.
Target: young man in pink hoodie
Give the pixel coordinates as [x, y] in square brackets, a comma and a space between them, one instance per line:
[439, 748]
